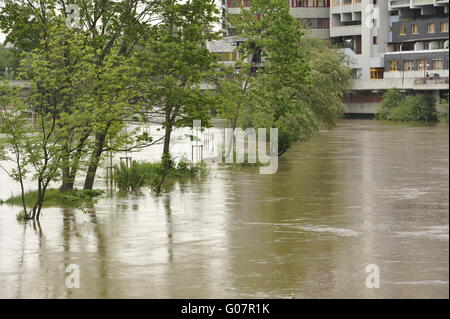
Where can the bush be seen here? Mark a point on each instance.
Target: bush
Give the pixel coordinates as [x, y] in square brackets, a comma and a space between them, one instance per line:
[153, 174]
[391, 99]
[22, 216]
[54, 198]
[397, 106]
[129, 178]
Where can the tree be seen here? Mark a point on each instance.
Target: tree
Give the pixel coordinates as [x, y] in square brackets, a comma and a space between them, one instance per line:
[9, 62]
[107, 28]
[13, 123]
[115, 91]
[299, 83]
[176, 62]
[398, 106]
[392, 98]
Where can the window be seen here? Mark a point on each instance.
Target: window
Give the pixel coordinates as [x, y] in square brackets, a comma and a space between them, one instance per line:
[431, 27]
[310, 3]
[317, 23]
[375, 40]
[376, 73]
[444, 27]
[401, 30]
[422, 64]
[238, 3]
[226, 56]
[356, 74]
[415, 29]
[438, 64]
[408, 65]
[393, 66]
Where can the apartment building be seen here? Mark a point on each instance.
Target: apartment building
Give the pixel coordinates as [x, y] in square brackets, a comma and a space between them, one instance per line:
[390, 43]
[314, 13]
[398, 44]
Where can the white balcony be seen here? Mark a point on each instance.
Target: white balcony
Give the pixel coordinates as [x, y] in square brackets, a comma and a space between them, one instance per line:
[346, 8]
[396, 80]
[347, 30]
[301, 13]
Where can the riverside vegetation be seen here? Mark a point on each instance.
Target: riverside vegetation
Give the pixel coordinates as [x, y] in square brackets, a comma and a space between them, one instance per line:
[89, 80]
[139, 174]
[399, 106]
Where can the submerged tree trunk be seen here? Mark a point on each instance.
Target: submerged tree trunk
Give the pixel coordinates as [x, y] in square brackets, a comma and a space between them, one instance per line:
[94, 161]
[66, 185]
[70, 171]
[167, 136]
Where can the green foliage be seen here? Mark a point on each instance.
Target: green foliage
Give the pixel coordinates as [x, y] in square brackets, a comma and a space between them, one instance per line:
[299, 88]
[398, 106]
[22, 216]
[129, 178]
[391, 99]
[175, 61]
[139, 174]
[442, 110]
[55, 198]
[9, 62]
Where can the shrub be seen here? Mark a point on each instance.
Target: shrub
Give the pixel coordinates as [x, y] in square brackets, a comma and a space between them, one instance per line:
[391, 99]
[153, 174]
[79, 199]
[129, 178]
[22, 216]
[397, 106]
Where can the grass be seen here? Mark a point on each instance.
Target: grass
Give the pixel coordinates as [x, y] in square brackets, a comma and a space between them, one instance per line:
[141, 174]
[54, 198]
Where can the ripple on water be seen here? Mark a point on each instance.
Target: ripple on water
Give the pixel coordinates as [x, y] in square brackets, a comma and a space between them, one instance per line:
[344, 232]
[432, 232]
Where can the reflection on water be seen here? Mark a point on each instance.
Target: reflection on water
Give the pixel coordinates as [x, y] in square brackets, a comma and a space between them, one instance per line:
[365, 193]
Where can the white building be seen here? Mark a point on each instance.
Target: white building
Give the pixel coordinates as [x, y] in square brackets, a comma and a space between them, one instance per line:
[391, 43]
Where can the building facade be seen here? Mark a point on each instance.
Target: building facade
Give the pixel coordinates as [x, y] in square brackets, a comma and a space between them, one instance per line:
[390, 43]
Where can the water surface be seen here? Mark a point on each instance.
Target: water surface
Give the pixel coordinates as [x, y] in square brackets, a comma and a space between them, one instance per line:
[365, 193]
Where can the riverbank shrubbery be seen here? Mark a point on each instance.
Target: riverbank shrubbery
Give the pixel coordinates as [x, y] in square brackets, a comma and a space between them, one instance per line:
[139, 174]
[398, 106]
[79, 199]
[442, 110]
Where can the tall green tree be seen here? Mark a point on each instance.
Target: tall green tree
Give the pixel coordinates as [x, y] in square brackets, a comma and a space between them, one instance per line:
[14, 124]
[9, 62]
[111, 29]
[298, 83]
[176, 61]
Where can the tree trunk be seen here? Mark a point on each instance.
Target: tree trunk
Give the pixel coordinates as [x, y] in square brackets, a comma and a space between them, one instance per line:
[70, 172]
[95, 159]
[167, 136]
[66, 185]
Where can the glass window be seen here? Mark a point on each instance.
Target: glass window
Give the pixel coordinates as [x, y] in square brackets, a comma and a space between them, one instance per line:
[431, 27]
[408, 65]
[310, 3]
[444, 27]
[422, 64]
[226, 56]
[401, 30]
[316, 23]
[393, 65]
[415, 29]
[438, 64]
[376, 73]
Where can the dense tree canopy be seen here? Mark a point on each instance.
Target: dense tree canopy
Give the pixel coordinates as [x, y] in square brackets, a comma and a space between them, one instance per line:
[147, 60]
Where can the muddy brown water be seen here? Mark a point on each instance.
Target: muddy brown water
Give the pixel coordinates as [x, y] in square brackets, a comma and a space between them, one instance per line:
[365, 193]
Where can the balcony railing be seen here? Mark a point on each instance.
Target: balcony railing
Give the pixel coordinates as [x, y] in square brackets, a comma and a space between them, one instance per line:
[431, 81]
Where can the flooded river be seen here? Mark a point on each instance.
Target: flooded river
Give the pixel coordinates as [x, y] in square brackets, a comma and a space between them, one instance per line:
[365, 193]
